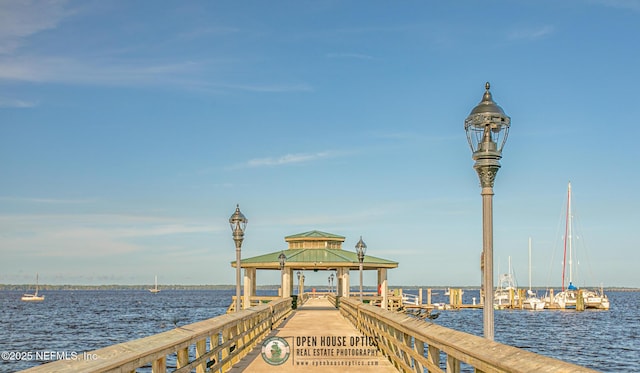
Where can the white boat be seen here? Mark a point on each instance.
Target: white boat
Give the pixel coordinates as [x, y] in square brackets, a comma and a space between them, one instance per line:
[155, 288]
[532, 302]
[410, 299]
[595, 299]
[506, 294]
[568, 296]
[33, 297]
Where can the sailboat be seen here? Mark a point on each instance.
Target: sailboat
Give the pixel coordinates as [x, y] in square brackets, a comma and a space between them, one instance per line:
[155, 288]
[532, 302]
[570, 296]
[33, 297]
[507, 292]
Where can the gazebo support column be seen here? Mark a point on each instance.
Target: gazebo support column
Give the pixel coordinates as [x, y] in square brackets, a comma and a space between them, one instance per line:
[287, 282]
[289, 272]
[343, 276]
[383, 286]
[339, 282]
[249, 286]
[253, 282]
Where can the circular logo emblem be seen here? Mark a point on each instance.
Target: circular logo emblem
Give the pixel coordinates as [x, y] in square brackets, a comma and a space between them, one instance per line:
[275, 350]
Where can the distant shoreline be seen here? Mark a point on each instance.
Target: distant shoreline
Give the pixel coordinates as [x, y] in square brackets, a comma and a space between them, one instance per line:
[23, 287]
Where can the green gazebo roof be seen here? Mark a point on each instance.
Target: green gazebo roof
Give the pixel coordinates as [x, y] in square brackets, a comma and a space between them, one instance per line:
[315, 250]
[315, 259]
[314, 234]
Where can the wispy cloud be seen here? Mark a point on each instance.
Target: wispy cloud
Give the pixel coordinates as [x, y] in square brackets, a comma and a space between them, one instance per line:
[117, 72]
[531, 33]
[68, 235]
[74, 71]
[15, 103]
[21, 19]
[286, 159]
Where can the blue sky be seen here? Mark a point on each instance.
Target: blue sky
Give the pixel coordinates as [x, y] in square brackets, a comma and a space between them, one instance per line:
[130, 130]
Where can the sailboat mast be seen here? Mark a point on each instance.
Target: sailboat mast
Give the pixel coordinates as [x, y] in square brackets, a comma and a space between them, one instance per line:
[566, 234]
[570, 218]
[529, 263]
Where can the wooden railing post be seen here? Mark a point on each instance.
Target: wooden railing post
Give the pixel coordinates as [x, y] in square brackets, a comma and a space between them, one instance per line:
[215, 341]
[159, 365]
[418, 347]
[183, 357]
[453, 364]
[201, 349]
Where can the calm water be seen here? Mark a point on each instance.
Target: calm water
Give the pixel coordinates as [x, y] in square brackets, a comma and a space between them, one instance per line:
[77, 321]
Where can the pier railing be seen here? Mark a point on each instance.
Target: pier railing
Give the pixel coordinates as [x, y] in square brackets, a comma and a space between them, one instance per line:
[414, 345]
[253, 300]
[212, 345]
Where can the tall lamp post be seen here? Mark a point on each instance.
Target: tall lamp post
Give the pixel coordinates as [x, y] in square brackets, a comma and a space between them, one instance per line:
[361, 248]
[238, 224]
[487, 127]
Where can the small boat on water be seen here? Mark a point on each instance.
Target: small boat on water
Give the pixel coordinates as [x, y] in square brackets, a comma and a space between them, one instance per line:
[155, 288]
[33, 297]
[571, 296]
[506, 294]
[532, 302]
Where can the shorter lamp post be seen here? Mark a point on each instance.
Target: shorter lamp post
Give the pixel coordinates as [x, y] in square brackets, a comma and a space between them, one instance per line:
[331, 283]
[299, 284]
[238, 224]
[487, 127]
[302, 286]
[361, 248]
[282, 259]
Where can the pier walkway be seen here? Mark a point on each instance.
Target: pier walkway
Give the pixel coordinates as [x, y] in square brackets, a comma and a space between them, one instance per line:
[317, 318]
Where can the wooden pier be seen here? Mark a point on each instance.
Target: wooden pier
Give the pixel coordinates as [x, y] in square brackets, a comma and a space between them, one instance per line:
[358, 337]
[318, 318]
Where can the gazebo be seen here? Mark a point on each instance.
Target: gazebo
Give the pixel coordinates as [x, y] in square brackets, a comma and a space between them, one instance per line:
[316, 251]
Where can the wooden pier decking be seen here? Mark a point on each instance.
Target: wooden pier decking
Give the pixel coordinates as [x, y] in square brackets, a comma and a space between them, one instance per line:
[316, 318]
